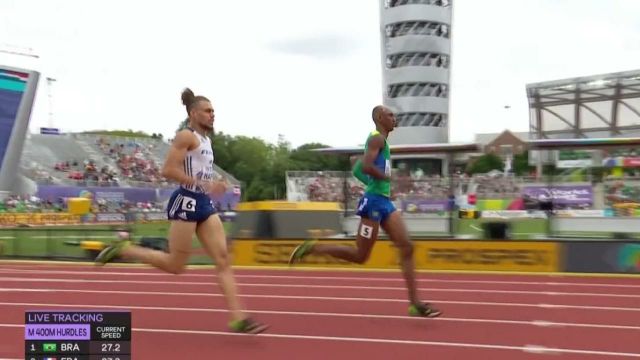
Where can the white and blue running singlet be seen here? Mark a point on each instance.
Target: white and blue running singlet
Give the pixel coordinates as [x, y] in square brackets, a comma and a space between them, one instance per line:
[192, 203]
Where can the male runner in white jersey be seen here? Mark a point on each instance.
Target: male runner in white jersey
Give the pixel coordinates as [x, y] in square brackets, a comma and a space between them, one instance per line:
[190, 210]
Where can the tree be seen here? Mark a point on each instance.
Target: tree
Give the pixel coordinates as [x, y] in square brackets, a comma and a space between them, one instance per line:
[183, 125]
[258, 189]
[121, 133]
[521, 164]
[248, 160]
[304, 158]
[221, 149]
[250, 157]
[280, 163]
[485, 164]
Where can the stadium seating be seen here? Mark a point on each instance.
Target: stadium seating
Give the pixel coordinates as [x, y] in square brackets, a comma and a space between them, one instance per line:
[329, 186]
[86, 160]
[100, 160]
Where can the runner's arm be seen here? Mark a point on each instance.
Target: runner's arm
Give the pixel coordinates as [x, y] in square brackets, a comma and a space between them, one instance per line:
[359, 174]
[173, 168]
[375, 145]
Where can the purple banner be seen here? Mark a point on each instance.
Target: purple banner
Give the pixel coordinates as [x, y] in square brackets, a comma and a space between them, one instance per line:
[561, 194]
[57, 332]
[52, 192]
[424, 206]
[227, 201]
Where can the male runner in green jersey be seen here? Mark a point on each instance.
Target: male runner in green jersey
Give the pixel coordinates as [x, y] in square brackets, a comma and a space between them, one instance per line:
[376, 209]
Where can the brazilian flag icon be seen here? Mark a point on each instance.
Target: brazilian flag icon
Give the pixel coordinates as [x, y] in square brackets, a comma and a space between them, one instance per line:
[49, 347]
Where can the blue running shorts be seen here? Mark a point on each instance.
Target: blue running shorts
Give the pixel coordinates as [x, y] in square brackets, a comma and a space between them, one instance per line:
[189, 206]
[375, 207]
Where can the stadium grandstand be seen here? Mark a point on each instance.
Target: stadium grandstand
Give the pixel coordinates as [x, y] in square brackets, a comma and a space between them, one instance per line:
[121, 169]
[40, 170]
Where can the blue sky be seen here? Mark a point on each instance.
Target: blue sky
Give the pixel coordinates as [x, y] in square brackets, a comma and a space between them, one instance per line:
[309, 70]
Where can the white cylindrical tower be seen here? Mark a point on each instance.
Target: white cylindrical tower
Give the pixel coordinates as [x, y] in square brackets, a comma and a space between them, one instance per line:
[416, 47]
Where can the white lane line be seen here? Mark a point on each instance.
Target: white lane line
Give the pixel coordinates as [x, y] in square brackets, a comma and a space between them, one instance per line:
[328, 298]
[332, 278]
[305, 286]
[539, 349]
[538, 323]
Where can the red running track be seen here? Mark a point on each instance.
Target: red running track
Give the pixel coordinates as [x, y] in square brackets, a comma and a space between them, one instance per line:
[338, 314]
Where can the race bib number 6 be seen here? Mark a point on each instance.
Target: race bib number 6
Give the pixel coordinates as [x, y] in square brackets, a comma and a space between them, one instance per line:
[188, 204]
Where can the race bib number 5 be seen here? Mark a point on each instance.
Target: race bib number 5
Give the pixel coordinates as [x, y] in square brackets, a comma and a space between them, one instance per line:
[188, 204]
[366, 231]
